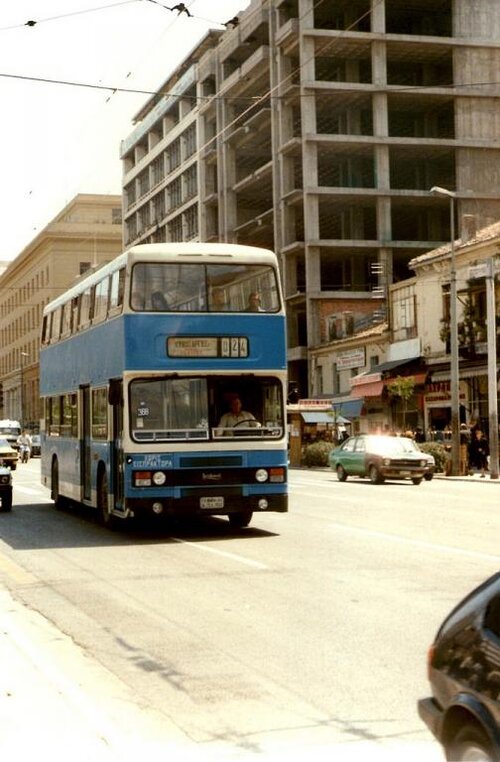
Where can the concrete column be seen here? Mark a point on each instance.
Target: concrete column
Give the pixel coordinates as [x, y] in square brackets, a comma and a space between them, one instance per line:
[378, 15]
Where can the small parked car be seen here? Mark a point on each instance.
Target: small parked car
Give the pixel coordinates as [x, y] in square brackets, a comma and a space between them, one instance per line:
[379, 457]
[464, 672]
[35, 445]
[8, 455]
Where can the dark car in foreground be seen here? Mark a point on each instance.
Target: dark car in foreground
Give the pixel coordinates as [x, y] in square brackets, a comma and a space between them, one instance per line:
[379, 457]
[464, 672]
[5, 488]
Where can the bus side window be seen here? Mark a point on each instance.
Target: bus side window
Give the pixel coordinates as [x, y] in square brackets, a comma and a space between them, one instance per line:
[84, 315]
[100, 291]
[46, 328]
[117, 288]
[66, 320]
[55, 330]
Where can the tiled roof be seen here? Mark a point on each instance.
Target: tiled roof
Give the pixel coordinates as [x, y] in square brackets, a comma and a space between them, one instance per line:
[488, 233]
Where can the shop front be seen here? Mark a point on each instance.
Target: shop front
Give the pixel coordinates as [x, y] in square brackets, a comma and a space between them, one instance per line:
[313, 420]
[437, 407]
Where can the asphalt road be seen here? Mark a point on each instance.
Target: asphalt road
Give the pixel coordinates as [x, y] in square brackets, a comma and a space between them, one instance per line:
[305, 634]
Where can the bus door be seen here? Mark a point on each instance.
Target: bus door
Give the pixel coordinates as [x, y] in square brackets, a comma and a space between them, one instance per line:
[85, 454]
[116, 453]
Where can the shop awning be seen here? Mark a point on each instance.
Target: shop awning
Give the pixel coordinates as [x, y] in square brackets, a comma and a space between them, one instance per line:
[350, 408]
[391, 365]
[318, 416]
[367, 385]
[444, 375]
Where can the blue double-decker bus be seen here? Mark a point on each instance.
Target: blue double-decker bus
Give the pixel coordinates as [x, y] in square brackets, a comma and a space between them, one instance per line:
[163, 378]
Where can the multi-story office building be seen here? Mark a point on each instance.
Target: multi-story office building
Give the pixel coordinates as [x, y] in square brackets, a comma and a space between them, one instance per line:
[85, 234]
[318, 129]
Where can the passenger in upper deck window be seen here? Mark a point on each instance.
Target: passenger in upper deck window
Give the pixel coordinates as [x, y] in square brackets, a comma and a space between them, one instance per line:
[254, 303]
[218, 301]
[158, 301]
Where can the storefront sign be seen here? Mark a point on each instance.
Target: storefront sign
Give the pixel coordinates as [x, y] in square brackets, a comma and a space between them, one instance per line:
[352, 358]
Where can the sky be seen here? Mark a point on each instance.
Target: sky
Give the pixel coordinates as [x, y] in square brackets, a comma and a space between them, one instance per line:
[59, 140]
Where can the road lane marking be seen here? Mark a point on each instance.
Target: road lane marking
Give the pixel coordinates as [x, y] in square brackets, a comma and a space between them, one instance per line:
[15, 572]
[29, 490]
[417, 543]
[223, 553]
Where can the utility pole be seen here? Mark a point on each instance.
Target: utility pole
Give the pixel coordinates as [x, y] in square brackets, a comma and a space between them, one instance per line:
[454, 361]
[492, 367]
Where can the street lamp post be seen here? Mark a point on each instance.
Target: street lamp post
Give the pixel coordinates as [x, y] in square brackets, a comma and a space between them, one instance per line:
[454, 369]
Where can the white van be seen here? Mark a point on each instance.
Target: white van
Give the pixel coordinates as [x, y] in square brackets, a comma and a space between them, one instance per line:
[10, 430]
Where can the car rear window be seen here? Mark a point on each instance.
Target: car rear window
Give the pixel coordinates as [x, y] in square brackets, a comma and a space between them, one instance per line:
[477, 599]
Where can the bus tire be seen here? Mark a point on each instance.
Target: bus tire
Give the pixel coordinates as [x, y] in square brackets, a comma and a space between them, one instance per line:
[105, 517]
[241, 519]
[54, 486]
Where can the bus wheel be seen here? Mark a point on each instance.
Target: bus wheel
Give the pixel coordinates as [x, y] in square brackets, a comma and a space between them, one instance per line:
[54, 487]
[240, 519]
[105, 517]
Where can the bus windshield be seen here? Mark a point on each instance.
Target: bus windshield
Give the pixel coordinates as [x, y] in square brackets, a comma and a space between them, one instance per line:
[177, 287]
[193, 408]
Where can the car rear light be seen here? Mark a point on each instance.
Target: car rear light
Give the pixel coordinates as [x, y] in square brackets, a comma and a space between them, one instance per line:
[277, 475]
[142, 478]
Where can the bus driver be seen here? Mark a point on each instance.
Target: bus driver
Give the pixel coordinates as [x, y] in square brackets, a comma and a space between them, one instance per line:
[237, 416]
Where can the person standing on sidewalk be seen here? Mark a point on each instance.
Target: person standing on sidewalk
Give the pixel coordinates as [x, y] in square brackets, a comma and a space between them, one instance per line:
[479, 451]
[464, 449]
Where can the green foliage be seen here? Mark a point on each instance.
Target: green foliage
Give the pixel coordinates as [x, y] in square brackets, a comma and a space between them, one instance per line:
[316, 454]
[403, 387]
[438, 450]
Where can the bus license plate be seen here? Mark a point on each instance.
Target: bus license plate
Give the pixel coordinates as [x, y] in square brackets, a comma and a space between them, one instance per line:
[211, 502]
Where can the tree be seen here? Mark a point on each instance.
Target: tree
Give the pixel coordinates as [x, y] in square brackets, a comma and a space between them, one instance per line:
[402, 388]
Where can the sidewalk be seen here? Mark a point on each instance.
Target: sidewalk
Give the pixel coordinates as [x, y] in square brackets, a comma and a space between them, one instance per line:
[55, 700]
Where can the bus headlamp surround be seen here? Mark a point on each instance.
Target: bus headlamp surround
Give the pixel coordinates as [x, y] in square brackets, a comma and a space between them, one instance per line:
[261, 475]
[159, 478]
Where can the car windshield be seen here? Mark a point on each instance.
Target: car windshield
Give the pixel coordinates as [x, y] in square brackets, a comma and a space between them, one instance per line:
[4, 443]
[390, 445]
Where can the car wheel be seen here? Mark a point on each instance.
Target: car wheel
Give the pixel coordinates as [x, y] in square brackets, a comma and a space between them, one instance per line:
[375, 476]
[471, 744]
[241, 519]
[428, 477]
[341, 473]
[416, 480]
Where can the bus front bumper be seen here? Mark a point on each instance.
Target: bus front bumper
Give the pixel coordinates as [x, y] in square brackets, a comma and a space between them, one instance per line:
[195, 506]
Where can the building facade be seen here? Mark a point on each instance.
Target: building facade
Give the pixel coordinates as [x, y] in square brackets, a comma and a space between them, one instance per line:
[318, 129]
[85, 234]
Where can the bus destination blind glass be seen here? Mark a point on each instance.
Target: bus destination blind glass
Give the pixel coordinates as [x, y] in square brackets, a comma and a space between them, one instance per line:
[207, 346]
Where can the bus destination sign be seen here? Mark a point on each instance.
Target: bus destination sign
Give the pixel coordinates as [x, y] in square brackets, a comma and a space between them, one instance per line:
[207, 346]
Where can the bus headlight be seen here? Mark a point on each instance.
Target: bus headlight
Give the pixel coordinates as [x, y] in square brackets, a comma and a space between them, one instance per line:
[159, 478]
[261, 475]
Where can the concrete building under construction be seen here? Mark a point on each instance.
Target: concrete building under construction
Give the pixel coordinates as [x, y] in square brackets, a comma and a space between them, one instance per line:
[318, 129]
